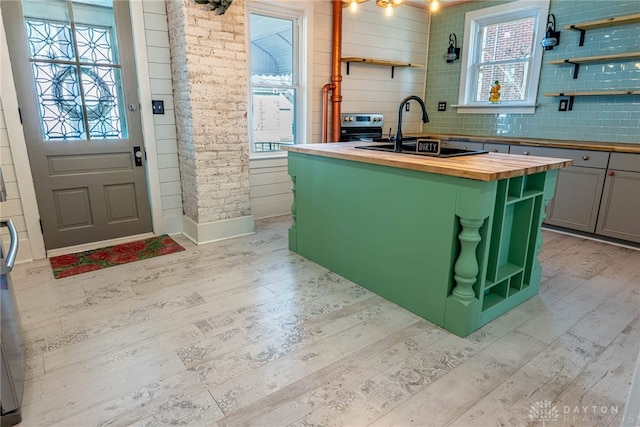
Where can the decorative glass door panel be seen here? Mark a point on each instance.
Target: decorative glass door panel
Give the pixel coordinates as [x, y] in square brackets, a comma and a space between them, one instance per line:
[76, 71]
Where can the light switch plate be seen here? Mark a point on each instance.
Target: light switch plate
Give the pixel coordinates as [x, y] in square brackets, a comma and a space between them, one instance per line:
[157, 106]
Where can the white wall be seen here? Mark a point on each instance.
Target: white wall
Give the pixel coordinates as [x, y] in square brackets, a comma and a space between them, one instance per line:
[157, 41]
[12, 208]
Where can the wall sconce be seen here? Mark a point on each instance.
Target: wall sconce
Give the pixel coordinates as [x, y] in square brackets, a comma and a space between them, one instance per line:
[552, 37]
[453, 52]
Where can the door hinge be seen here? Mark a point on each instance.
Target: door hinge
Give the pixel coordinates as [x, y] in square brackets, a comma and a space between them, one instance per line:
[41, 229]
[20, 115]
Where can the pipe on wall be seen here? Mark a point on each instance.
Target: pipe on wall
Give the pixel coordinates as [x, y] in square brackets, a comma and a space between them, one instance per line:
[336, 78]
[325, 109]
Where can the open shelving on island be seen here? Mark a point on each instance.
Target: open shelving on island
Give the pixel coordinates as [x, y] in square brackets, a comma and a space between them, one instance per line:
[382, 62]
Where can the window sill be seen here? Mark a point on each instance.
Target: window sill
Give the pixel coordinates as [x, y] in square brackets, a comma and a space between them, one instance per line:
[495, 108]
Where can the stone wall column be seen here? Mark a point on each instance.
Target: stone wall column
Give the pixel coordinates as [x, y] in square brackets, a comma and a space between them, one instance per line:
[209, 72]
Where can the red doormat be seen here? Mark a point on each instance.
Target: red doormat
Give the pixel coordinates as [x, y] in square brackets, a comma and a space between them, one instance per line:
[96, 259]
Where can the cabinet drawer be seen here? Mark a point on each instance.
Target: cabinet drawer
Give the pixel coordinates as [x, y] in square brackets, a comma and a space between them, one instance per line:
[584, 158]
[464, 145]
[496, 148]
[625, 162]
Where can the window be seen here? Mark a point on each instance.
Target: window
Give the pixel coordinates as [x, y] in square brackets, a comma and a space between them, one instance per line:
[501, 46]
[77, 74]
[275, 97]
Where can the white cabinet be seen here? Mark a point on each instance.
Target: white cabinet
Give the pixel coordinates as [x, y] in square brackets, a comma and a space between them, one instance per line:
[578, 189]
[620, 207]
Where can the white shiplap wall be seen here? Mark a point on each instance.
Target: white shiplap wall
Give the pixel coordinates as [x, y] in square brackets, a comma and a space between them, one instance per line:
[369, 88]
[368, 33]
[12, 208]
[157, 37]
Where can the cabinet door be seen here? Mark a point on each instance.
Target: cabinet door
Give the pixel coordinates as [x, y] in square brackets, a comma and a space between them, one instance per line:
[576, 200]
[620, 208]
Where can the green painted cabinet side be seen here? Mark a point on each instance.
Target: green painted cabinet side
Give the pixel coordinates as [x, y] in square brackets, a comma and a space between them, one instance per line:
[455, 251]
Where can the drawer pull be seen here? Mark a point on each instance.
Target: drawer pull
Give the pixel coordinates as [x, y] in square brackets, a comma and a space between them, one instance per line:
[465, 147]
[526, 153]
[585, 157]
[611, 173]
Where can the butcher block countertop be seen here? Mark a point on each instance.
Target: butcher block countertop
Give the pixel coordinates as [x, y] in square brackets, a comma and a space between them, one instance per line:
[616, 147]
[483, 167]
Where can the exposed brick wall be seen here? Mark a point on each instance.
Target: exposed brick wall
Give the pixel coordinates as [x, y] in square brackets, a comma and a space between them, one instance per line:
[208, 66]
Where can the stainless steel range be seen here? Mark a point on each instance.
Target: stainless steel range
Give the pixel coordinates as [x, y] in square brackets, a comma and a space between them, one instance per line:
[361, 126]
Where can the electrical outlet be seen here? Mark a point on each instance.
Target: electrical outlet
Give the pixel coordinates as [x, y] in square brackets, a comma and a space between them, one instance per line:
[564, 104]
[442, 106]
[407, 106]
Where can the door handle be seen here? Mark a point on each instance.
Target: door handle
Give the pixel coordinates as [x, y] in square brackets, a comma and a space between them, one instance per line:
[13, 243]
[137, 155]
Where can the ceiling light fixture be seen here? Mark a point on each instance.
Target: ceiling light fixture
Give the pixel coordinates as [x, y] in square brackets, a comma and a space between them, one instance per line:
[353, 5]
[434, 6]
[388, 5]
[552, 37]
[453, 52]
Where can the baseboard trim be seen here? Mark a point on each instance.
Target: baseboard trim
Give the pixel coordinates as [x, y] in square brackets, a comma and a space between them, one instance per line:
[217, 230]
[173, 226]
[97, 245]
[589, 236]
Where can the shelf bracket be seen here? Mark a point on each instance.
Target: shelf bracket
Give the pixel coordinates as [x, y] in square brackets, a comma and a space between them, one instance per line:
[571, 97]
[574, 28]
[348, 67]
[392, 70]
[576, 67]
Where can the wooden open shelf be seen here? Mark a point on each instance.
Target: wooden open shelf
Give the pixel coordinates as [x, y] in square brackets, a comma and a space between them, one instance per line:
[594, 93]
[599, 58]
[601, 23]
[588, 59]
[383, 62]
[571, 95]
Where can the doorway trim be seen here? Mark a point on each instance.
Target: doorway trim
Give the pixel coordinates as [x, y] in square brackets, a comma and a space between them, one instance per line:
[19, 147]
[19, 151]
[138, 31]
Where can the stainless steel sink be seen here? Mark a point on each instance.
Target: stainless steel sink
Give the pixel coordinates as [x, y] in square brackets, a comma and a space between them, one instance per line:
[409, 147]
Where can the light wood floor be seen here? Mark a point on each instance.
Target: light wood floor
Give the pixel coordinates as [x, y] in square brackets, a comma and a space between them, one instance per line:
[244, 332]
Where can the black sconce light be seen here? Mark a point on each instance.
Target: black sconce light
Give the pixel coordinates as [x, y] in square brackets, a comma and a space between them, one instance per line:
[552, 37]
[453, 52]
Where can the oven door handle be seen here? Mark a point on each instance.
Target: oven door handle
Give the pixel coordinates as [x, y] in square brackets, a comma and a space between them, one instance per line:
[13, 243]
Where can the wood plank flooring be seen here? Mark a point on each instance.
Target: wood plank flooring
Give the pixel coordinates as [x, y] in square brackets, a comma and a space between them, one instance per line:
[244, 332]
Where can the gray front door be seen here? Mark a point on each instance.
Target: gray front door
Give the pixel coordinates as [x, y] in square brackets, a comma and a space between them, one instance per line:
[74, 70]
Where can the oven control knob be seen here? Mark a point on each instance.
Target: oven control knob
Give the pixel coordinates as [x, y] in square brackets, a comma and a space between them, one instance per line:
[376, 119]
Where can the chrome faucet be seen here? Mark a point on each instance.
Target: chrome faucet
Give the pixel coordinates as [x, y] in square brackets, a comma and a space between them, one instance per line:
[397, 145]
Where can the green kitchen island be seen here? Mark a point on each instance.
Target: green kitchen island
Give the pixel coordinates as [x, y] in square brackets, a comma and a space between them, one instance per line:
[454, 240]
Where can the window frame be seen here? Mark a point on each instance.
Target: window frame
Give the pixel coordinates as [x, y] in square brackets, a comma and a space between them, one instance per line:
[474, 21]
[299, 16]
